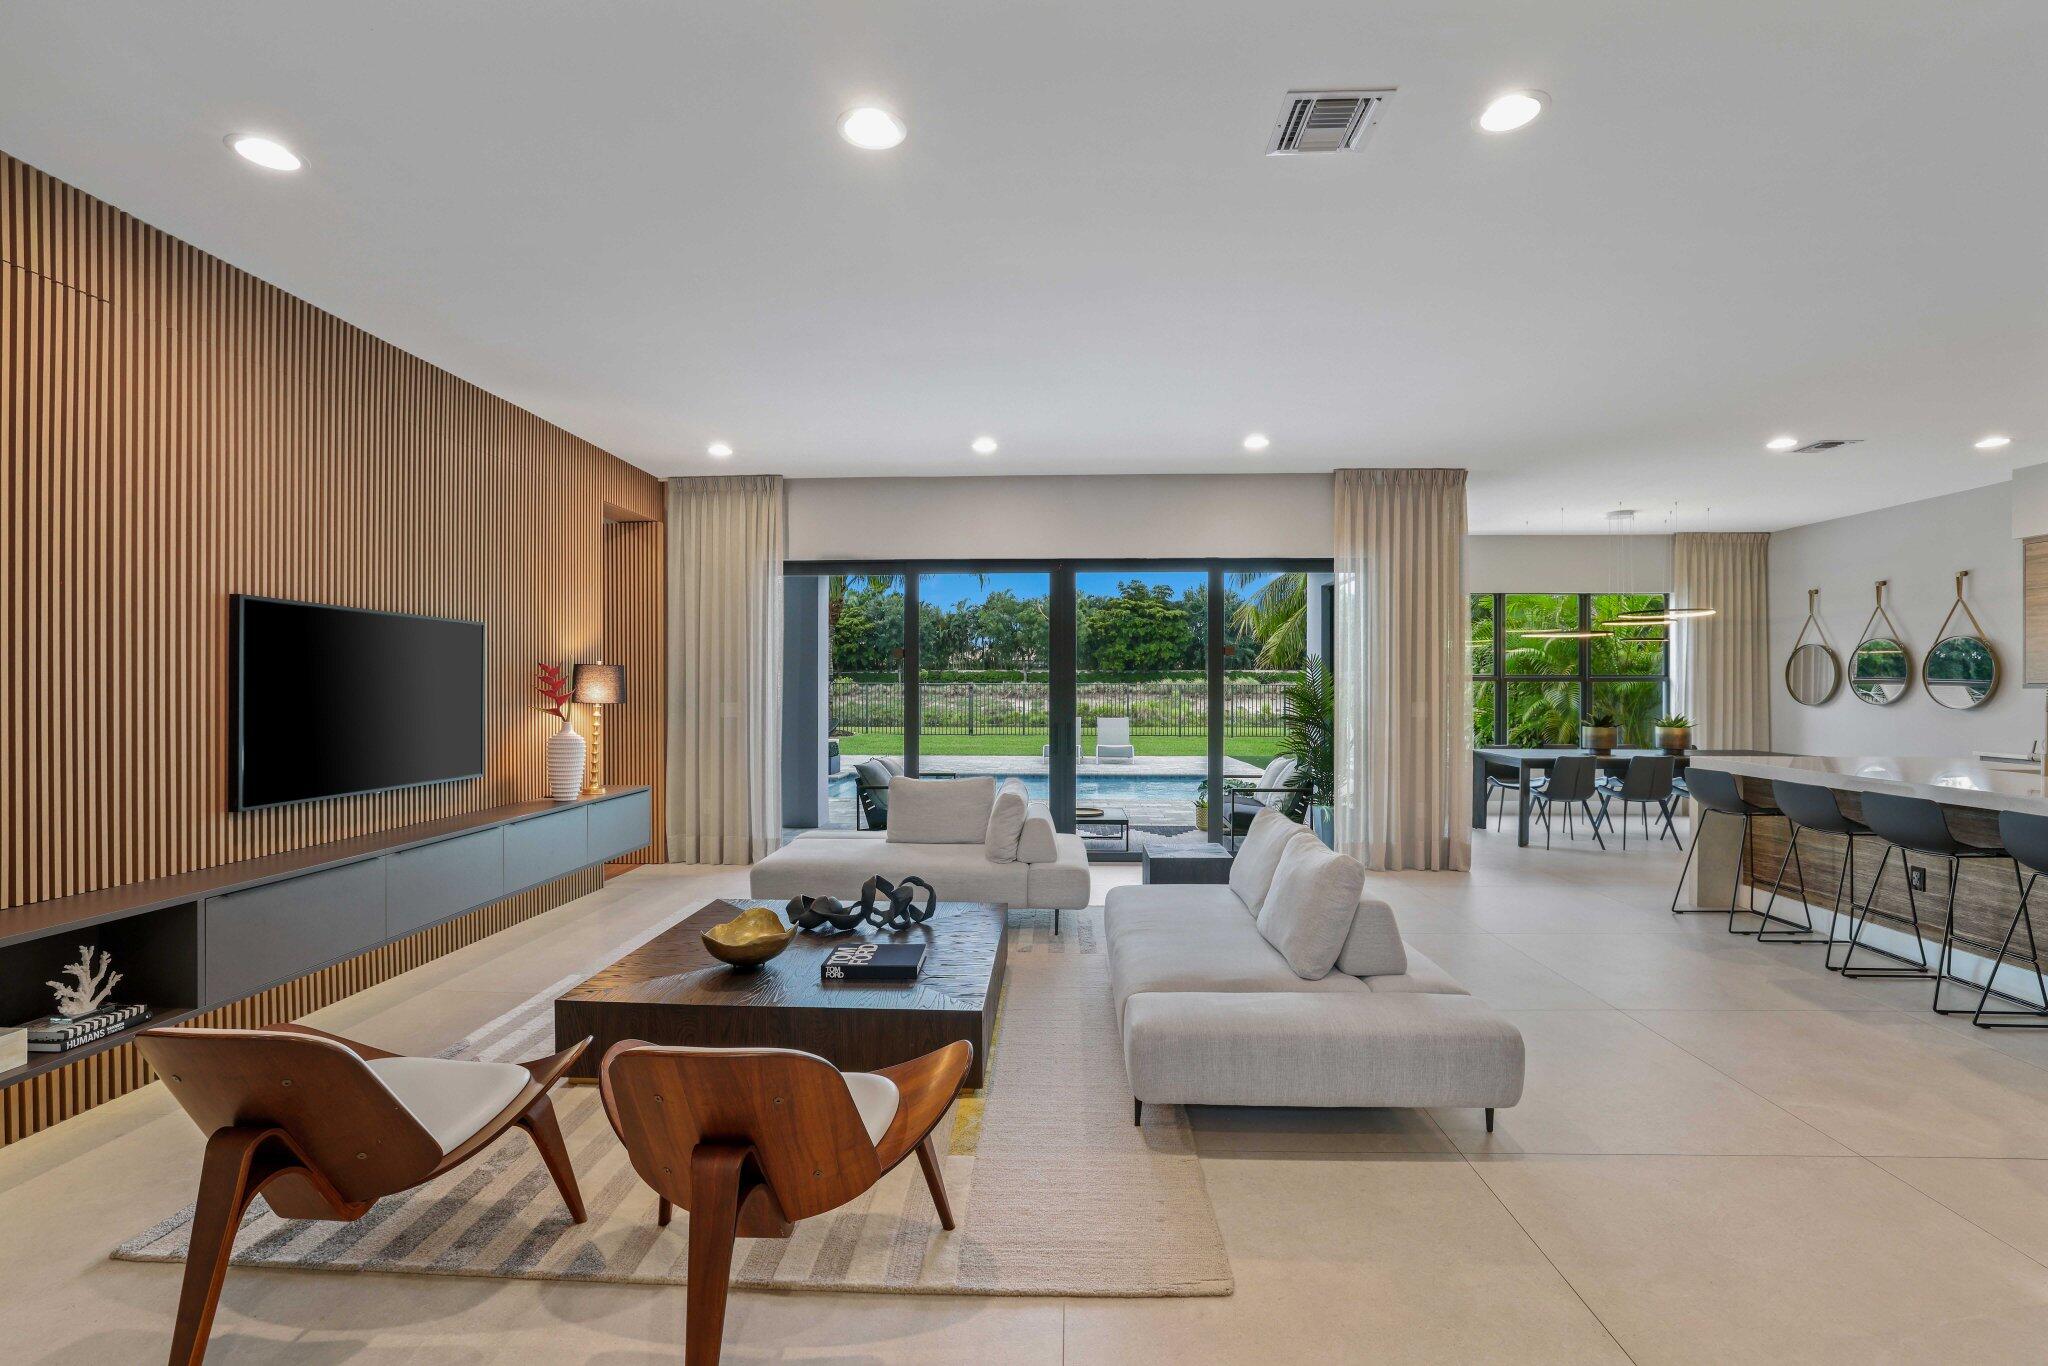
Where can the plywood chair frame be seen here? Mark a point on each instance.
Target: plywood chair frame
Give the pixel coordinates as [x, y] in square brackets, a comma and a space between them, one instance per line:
[750, 1140]
[268, 1099]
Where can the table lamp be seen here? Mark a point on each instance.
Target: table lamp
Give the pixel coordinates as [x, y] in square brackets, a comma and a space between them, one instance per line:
[597, 684]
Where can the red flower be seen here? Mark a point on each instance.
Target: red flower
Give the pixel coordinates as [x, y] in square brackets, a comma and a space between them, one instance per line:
[554, 685]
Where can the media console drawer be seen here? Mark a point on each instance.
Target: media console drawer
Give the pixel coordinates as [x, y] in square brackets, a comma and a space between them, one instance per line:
[266, 935]
[621, 825]
[545, 848]
[444, 879]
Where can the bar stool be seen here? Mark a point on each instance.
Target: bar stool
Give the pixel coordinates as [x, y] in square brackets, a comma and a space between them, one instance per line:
[1718, 794]
[1808, 806]
[1918, 826]
[2026, 838]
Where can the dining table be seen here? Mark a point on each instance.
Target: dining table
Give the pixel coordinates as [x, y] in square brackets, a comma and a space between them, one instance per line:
[1523, 763]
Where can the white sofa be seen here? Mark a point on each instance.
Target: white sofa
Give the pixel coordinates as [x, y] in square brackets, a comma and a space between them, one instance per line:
[956, 835]
[1213, 1012]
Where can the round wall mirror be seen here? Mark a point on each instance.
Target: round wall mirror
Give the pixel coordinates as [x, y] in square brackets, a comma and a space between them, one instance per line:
[1961, 671]
[1812, 674]
[1881, 671]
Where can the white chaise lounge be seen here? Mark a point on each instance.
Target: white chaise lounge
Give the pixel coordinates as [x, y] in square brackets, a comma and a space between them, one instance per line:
[1286, 987]
[971, 840]
[1113, 740]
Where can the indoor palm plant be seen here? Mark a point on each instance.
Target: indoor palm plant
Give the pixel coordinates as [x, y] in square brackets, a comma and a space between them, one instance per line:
[1309, 727]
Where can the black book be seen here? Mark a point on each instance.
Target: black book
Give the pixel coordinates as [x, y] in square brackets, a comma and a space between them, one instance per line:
[872, 962]
[53, 1034]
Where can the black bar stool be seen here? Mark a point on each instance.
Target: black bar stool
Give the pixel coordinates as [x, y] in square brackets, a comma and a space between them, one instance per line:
[2026, 838]
[1919, 826]
[1808, 806]
[1718, 794]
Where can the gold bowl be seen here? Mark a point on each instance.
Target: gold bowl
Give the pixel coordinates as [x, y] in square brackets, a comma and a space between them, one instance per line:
[749, 939]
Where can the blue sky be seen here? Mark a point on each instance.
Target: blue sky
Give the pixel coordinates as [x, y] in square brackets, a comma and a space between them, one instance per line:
[945, 590]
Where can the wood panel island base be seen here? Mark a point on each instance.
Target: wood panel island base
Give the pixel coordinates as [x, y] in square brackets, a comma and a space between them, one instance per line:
[671, 990]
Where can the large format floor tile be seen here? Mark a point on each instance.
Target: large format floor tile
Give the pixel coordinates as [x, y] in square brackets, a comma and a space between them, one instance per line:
[1688, 972]
[1502, 975]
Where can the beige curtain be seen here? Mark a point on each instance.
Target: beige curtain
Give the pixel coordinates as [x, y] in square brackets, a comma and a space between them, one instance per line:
[1404, 702]
[724, 668]
[1721, 665]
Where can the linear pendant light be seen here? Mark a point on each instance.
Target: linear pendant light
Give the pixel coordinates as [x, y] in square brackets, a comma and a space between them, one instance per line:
[1624, 520]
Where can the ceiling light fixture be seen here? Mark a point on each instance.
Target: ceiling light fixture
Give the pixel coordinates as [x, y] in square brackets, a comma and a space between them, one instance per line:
[1992, 443]
[1513, 110]
[1781, 443]
[871, 129]
[984, 445]
[1257, 441]
[718, 450]
[271, 156]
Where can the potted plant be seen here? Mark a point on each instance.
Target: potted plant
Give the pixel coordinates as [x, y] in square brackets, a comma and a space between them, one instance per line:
[1674, 733]
[1202, 798]
[1309, 725]
[1598, 732]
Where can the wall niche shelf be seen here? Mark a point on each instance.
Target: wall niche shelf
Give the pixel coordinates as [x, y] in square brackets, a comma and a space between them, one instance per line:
[194, 941]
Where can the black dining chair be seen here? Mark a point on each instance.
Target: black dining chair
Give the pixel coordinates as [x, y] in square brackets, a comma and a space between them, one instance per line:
[2025, 837]
[1719, 794]
[1918, 826]
[1647, 781]
[1571, 783]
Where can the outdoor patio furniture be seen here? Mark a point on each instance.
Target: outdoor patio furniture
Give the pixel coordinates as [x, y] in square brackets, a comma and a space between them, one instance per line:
[1105, 822]
[1276, 789]
[1113, 740]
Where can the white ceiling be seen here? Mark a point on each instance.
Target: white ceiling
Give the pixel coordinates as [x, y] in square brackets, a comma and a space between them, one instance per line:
[1736, 218]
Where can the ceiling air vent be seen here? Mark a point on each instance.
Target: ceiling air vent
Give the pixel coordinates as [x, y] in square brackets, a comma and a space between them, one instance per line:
[1325, 121]
[1816, 447]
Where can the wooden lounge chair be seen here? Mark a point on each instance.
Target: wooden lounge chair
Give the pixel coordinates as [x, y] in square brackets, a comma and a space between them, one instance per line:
[323, 1128]
[749, 1140]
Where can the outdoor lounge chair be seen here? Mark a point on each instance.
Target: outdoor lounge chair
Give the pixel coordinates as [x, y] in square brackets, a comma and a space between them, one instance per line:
[1113, 740]
[1275, 789]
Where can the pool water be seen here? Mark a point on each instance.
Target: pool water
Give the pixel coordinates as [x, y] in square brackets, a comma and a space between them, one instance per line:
[1105, 788]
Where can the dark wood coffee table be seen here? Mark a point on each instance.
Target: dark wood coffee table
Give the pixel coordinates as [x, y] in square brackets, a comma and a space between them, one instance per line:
[671, 991]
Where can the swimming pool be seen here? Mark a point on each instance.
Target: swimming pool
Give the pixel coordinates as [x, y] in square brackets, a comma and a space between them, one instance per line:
[1100, 788]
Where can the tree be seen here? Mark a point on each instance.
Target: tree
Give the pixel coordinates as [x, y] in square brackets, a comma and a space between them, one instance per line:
[1277, 617]
[1139, 630]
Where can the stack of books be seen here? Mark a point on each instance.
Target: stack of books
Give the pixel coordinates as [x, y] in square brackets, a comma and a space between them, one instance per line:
[60, 1034]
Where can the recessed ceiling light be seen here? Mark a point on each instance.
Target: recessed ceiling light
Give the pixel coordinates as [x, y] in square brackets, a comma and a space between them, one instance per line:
[1781, 443]
[876, 130]
[1992, 443]
[273, 156]
[984, 445]
[1256, 442]
[718, 450]
[1512, 111]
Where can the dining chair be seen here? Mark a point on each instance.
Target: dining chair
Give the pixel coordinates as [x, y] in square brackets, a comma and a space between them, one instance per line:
[1647, 781]
[324, 1127]
[749, 1140]
[1570, 784]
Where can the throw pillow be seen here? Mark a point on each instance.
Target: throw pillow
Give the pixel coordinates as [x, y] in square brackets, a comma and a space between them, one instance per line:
[940, 810]
[1309, 910]
[1251, 872]
[1006, 820]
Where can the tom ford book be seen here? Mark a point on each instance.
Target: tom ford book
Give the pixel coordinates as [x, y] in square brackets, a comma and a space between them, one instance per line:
[873, 963]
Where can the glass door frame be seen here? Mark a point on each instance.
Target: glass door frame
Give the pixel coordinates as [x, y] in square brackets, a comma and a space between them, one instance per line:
[1063, 729]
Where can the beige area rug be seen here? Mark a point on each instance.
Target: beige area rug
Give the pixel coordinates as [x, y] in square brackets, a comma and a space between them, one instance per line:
[1060, 1193]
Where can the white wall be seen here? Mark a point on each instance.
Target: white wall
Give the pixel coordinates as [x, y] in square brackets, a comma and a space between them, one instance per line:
[1918, 547]
[1097, 517]
[1567, 564]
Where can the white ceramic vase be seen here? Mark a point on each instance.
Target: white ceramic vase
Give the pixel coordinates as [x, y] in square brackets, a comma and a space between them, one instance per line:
[565, 763]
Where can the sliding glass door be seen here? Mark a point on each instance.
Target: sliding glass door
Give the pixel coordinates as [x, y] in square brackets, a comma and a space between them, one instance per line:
[984, 661]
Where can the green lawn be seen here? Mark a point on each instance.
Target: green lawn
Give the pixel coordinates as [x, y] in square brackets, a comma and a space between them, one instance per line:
[1258, 750]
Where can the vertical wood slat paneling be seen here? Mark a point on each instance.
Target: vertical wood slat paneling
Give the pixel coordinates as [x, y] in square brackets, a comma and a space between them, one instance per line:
[174, 431]
[636, 734]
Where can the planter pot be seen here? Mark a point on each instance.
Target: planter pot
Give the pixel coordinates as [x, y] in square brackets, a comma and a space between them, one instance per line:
[1674, 739]
[566, 752]
[1323, 820]
[1201, 815]
[1599, 739]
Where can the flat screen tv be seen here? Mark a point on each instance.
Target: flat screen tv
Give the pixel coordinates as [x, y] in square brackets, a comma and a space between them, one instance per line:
[331, 701]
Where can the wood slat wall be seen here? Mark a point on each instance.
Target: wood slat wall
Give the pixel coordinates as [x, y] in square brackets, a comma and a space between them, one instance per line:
[173, 431]
[636, 734]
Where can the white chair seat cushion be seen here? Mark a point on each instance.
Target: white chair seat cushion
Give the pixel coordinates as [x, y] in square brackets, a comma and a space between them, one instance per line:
[450, 1098]
[876, 1099]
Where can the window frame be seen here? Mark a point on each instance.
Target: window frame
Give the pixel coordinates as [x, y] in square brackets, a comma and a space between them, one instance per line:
[1584, 676]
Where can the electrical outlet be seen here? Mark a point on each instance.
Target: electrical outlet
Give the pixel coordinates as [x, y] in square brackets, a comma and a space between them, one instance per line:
[1918, 877]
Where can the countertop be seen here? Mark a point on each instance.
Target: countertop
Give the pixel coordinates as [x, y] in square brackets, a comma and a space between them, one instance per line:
[1952, 782]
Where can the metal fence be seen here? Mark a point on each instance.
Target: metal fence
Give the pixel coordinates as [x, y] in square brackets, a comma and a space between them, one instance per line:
[1155, 707]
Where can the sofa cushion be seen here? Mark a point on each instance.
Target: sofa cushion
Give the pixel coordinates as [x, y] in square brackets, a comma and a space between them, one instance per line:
[838, 867]
[1307, 914]
[1420, 977]
[1374, 947]
[1251, 872]
[1195, 939]
[1274, 777]
[940, 810]
[1060, 884]
[451, 1098]
[1035, 842]
[1006, 821]
[1298, 1048]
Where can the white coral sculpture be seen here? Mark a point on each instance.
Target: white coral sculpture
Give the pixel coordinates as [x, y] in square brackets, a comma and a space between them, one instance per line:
[93, 986]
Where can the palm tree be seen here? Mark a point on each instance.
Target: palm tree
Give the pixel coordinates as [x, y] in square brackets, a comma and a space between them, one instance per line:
[1276, 616]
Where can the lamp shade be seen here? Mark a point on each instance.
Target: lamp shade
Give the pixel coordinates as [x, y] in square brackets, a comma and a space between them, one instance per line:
[600, 684]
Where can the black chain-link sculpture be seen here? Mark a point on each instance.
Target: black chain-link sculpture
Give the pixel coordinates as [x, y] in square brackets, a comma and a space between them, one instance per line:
[826, 915]
[902, 911]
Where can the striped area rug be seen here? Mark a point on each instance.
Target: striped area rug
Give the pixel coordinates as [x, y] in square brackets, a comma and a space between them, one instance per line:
[1058, 1192]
